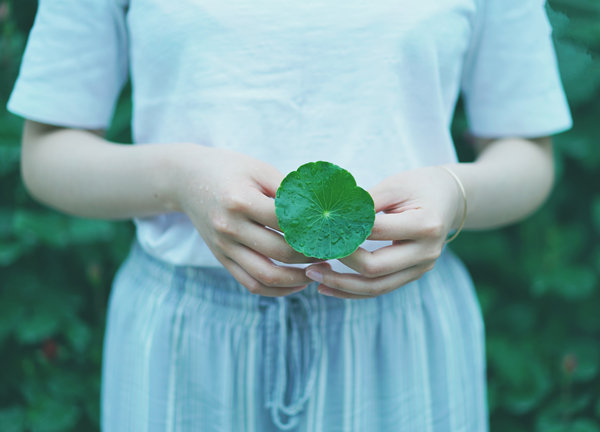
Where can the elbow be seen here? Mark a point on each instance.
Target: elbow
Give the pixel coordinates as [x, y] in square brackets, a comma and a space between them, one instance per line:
[26, 167]
[30, 180]
[31, 174]
[545, 173]
[546, 147]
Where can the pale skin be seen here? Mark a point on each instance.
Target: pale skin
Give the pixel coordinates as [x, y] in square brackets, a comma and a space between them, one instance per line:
[229, 198]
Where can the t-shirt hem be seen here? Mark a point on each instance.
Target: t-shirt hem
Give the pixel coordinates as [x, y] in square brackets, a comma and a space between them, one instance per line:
[21, 104]
[545, 115]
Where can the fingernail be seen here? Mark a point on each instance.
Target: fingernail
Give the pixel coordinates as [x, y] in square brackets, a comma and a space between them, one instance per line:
[314, 275]
[326, 292]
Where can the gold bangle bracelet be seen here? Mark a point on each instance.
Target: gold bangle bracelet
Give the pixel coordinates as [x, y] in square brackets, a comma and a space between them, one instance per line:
[464, 194]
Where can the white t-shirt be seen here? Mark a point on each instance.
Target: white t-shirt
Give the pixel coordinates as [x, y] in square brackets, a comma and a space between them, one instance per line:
[370, 86]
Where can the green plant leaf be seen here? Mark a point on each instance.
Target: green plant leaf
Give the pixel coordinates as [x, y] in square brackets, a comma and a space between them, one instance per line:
[571, 283]
[587, 354]
[524, 378]
[37, 326]
[596, 212]
[9, 159]
[78, 334]
[581, 75]
[58, 230]
[11, 251]
[12, 419]
[322, 212]
[585, 425]
[53, 416]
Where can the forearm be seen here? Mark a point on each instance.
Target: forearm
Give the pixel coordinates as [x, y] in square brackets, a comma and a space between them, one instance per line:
[82, 174]
[509, 180]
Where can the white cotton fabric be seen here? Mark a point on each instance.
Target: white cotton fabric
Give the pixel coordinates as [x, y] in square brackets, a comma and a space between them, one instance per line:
[370, 86]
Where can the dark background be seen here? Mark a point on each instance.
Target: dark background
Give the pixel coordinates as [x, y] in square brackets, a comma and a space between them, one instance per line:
[537, 281]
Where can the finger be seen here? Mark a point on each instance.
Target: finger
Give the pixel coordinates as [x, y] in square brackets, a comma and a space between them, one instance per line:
[360, 285]
[264, 270]
[261, 209]
[411, 224]
[330, 292]
[392, 259]
[268, 179]
[270, 244]
[383, 196]
[386, 196]
[254, 286]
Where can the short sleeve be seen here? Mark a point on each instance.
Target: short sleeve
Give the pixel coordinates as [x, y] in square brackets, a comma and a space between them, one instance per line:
[75, 64]
[511, 83]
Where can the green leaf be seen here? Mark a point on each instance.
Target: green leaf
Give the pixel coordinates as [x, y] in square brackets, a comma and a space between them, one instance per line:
[524, 377]
[557, 416]
[322, 212]
[78, 334]
[53, 416]
[37, 326]
[11, 311]
[596, 259]
[11, 251]
[587, 355]
[596, 213]
[55, 229]
[571, 283]
[559, 21]
[11, 127]
[589, 7]
[67, 386]
[47, 227]
[12, 419]
[9, 159]
[581, 75]
[6, 221]
[584, 425]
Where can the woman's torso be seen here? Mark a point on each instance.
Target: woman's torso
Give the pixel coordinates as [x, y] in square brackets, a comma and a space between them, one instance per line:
[368, 86]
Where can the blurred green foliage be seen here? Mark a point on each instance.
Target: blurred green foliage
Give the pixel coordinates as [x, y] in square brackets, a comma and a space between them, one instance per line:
[537, 281]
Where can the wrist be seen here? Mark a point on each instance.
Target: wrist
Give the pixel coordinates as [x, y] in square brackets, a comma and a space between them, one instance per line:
[182, 164]
[172, 165]
[460, 207]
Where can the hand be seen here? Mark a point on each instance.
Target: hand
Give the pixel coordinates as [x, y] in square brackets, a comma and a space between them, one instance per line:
[229, 198]
[419, 208]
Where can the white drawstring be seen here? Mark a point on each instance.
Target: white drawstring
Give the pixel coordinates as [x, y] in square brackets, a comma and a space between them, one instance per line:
[277, 320]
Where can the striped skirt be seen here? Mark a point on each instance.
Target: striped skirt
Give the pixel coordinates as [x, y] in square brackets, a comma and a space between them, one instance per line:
[190, 349]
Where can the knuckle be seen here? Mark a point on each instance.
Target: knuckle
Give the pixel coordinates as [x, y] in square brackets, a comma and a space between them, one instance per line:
[254, 287]
[376, 230]
[235, 203]
[372, 269]
[434, 254]
[416, 277]
[377, 291]
[222, 225]
[433, 228]
[219, 243]
[286, 255]
[269, 279]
